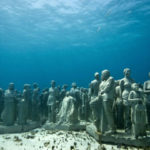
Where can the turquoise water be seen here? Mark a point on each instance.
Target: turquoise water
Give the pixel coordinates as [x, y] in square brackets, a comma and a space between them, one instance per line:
[69, 40]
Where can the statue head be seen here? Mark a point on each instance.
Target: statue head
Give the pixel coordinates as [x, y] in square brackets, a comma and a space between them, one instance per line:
[11, 86]
[53, 83]
[74, 85]
[127, 72]
[105, 75]
[96, 75]
[67, 93]
[35, 85]
[135, 86]
[65, 86]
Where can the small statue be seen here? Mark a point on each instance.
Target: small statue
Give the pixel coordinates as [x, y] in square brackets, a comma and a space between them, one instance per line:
[51, 103]
[68, 112]
[106, 94]
[63, 91]
[146, 89]
[9, 112]
[94, 100]
[35, 102]
[139, 120]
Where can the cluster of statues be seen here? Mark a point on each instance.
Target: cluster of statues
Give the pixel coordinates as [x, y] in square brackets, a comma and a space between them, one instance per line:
[108, 103]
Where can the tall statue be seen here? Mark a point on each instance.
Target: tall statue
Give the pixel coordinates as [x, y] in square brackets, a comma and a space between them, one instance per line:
[106, 94]
[51, 103]
[35, 102]
[94, 103]
[126, 107]
[9, 112]
[75, 92]
[146, 89]
[68, 113]
[119, 105]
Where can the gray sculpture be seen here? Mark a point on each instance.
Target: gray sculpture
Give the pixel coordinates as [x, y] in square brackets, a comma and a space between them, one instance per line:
[126, 106]
[146, 89]
[118, 107]
[9, 112]
[51, 103]
[106, 94]
[35, 102]
[139, 120]
[68, 113]
[94, 103]
[63, 91]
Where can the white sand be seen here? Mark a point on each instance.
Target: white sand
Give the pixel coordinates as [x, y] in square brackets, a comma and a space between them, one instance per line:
[41, 139]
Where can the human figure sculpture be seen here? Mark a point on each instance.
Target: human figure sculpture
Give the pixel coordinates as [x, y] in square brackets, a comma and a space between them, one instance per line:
[68, 113]
[146, 89]
[63, 91]
[75, 92]
[94, 103]
[44, 99]
[35, 102]
[84, 98]
[134, 96]
[106, 94]
[139, 120]
[9, 112]
[119, 105]
[126, 107]
[1, 101]
[51, 103]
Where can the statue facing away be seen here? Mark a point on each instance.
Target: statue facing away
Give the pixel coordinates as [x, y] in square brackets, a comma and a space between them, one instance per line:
[68, 113]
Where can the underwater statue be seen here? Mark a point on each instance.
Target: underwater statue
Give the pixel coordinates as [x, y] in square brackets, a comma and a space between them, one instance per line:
[118, 107]
[94, 100]
[75, 92]
[106, 94]
[9, 112]
[68, 113]
[139, 120]
[63, 91]
[85, 104]
[35, 102]
[146, 89]
[51, 103]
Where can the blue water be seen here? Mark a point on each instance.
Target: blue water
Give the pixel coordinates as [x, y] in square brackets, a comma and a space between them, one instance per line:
[69, 40]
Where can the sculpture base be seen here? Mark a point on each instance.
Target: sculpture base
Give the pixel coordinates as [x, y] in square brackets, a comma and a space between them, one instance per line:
[119, 138]
[66, 127]
[19, 128]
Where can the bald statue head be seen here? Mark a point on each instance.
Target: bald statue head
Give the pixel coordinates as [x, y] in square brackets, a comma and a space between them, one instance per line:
[96, 75]
[105, 75]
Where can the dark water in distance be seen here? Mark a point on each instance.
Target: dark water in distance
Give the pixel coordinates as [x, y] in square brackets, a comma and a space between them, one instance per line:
[68, 41]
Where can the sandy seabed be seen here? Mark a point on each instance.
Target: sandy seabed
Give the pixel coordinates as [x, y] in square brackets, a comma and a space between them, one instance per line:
[41, 139]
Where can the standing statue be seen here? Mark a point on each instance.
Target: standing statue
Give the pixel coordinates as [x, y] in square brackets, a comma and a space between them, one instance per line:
[63, 91]
[146, 89]
[119, 105]
[51, 103]
[106, 94]
[9, 112]
[134, 96]
[139, 120]
[75, 92]
[35, 102]
[84, 98]
[68, 113]
[94, 103]
[126, 106]
[1, 102]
